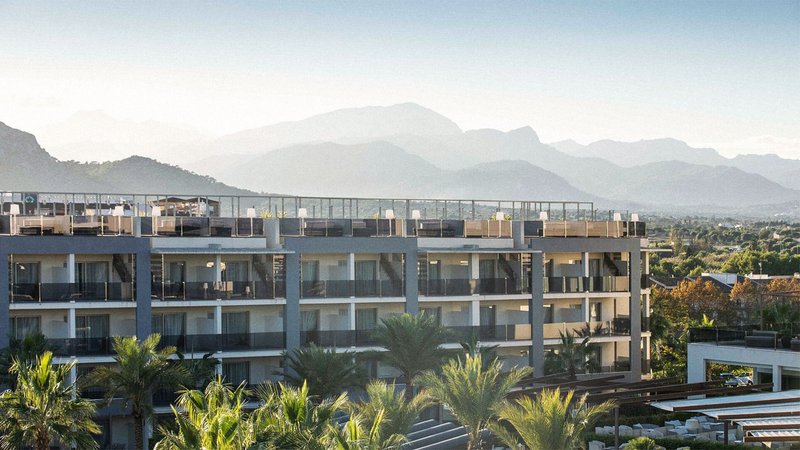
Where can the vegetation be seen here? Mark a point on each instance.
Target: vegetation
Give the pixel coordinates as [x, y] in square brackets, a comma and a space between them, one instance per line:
[327, 372]
[24, 350]
[413, 345]
[140, 369]
[41, 409]
[571, 356]
[398, 412]
[471, 392]
[548, 421]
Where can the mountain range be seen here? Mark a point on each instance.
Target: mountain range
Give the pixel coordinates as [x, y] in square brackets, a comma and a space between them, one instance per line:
[407, 150]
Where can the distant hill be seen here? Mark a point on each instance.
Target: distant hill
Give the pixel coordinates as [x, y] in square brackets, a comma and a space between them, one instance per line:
[630, 154]
[96, 136]
[25, 165]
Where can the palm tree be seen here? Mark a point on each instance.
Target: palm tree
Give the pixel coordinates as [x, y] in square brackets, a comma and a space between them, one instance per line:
[25, 350]
[140, 369]
[327, 372]
[412, 345]
[211, 420]
[548, 421]
[289, 418]
[572, 356]
[354, 435]
[473, 347]
[472, 392]
[42, 409]
[399, 413]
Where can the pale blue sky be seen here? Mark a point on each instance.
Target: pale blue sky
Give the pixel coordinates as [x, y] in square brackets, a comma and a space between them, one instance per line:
[705, 71]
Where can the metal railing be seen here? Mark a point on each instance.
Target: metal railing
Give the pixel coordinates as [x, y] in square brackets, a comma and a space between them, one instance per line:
[351, 288]
[564, 285]
[464, 286]
[784, 336]
[193, 343]
[65, 292]
[219, 290]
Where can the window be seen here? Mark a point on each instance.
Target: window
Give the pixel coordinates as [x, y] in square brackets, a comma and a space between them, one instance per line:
[236, 372]
[169, 324]
[433, 311]
[87, 327]
[366, 318]
[596, 311]
[235, 271]
[26, 273]
[92, 278]
[236, 322]
[309, 320]
[24, 326]
[548, 313]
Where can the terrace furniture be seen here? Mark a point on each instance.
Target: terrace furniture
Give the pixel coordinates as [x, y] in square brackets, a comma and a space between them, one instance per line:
[762, 339]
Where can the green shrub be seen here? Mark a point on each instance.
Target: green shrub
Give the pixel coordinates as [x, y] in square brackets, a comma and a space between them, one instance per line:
[641, 443]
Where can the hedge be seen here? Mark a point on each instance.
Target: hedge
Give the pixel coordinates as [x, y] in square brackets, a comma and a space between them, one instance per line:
[670, 443]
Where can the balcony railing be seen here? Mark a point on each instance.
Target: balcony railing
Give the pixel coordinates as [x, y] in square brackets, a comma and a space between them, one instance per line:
[565, 285]
[464, 286]
[226, 342]
[95, 346]
[210, 290]
[65, 292]
[198, 226]
[617, 326]
[490, 333]
[775, 337]
[351, 288]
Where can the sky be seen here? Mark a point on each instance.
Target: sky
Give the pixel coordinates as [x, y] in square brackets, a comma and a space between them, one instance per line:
[713, 73]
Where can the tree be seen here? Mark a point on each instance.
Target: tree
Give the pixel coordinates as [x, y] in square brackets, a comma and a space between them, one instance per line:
[412, 345]
[140, 369]
[289, 418]
[548, 421]
[573, 357]
[41, 409]
[399, 413]
[327, 372]
[473, 347]
[471, 392]
[201, 371]
[360, 434]
[642, 443]
[24, 350]
[213, 419]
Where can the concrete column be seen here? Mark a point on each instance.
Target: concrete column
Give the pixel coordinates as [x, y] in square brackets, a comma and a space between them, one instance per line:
[72, 332]
[475, 313]
[636, 314]
[217, 268]
[71, 278]
[474, 266]
[144, 318]
[272, 229]
[585, 263]
[352, 315]
[4, 313]
[536, 314]
[777, 374]
[291, 316]
[411, 283]
[585, 308]
[218, 319]
[351, 266]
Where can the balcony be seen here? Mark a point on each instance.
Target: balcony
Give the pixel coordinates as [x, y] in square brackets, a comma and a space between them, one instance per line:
[65, 292]
[617, 326]
[194, 343]
[210, 290]
[464, 286]
[81, 346]
[490, 333]
[351, 288]
[566, 285]
[201, 226]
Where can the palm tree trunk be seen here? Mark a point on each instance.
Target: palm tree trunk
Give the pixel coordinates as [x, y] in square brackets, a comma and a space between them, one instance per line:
[42, 441]
[409, 391]
[138, 431]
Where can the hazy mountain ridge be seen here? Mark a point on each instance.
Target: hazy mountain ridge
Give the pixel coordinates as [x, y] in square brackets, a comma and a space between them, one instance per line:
[27, 166]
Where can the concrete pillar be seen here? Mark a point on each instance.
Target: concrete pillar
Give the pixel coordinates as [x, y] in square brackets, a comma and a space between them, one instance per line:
[4, 313]
[218, 319]
[475, 313]
[351, 266]
[71, 278]
[474, 266]
[144, 317]
[536, 314]
[636, 313]
[352, 315]
[585, 308]
[72, 332]
[272, 230]
[411, 282]
[585, 263]
[695, 365]
[777, 374]
[217, 268]
[291, 316]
